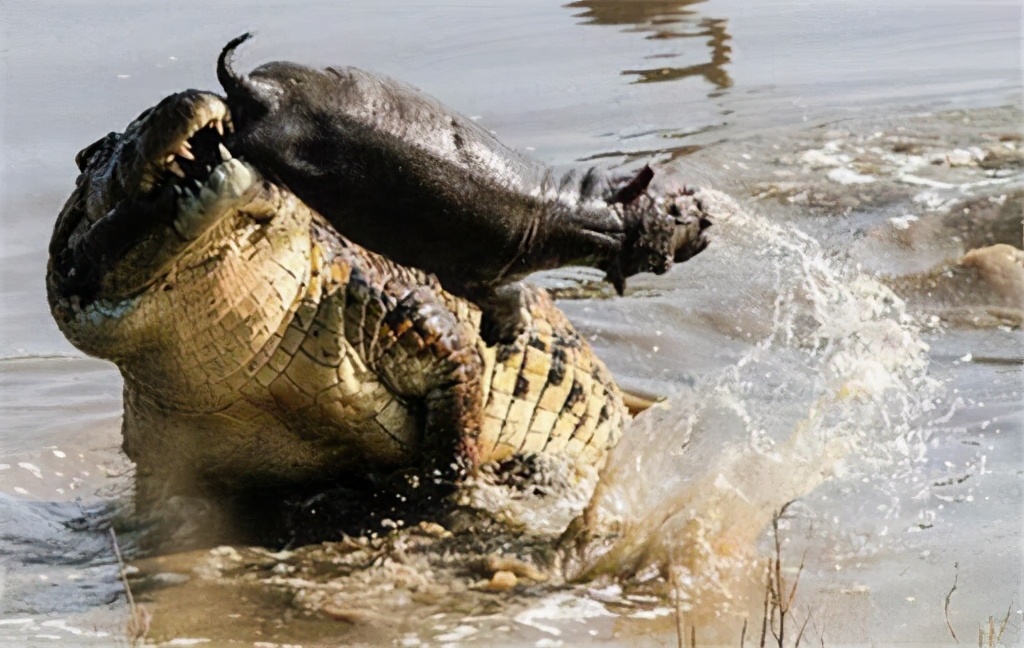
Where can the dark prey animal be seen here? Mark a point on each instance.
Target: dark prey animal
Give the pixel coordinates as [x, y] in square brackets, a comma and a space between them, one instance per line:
[398, 172]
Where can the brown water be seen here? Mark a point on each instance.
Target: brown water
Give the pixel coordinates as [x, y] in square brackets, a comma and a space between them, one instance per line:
[737, 96]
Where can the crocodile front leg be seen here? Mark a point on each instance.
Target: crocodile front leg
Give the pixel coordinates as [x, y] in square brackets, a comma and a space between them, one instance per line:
[425, 352]
[426, 356]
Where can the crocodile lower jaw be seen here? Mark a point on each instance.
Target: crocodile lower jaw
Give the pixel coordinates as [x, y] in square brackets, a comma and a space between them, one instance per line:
[229, 184]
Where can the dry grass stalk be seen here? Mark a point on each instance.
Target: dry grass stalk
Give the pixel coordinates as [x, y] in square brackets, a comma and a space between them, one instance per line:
[678, 608]
[677, 592]
[139, 617]
[994, 636]
[945, 608]
[778, 598]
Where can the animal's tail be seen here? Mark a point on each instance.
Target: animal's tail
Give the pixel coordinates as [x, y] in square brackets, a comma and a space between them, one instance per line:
[243, 94]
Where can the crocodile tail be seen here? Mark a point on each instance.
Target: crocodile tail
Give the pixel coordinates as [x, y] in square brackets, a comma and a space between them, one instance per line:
[242, 93]
[637, 402]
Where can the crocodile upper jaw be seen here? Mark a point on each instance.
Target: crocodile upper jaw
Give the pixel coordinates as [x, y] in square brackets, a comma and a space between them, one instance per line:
[145, 194]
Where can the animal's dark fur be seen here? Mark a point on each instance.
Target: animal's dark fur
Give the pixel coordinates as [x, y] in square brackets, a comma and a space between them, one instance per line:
[400, 173]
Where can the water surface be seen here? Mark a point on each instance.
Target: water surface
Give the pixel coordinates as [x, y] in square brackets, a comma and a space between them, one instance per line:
[699, 84]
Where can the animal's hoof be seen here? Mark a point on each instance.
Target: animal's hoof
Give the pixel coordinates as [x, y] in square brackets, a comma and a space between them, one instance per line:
[504, 313]
[663, 231]
[689, 236]
[626, 189]
[501, 327]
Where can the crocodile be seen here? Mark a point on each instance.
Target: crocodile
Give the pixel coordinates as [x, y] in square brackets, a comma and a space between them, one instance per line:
[261, 348]
[404, 175]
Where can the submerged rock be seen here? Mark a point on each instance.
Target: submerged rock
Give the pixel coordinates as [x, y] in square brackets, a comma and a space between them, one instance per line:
[984, 287]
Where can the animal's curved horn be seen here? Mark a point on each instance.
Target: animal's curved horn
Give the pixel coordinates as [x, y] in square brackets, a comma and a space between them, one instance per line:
[241, 91]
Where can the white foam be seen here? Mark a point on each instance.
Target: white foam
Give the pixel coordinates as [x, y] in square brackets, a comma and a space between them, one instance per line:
[694, 486]
[32, 468]
[846, 176]
[903, 222]
[458, 633]
[561, 606]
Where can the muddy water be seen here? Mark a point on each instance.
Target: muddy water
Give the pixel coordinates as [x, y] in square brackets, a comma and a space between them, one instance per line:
[820, 350]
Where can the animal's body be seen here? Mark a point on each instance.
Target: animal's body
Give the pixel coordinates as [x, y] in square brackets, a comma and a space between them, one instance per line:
[403, 175]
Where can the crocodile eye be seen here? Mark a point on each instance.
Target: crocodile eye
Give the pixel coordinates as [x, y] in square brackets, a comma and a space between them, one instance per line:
[83, 157]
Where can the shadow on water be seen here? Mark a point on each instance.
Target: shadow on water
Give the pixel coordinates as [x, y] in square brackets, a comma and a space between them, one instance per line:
[669, 21]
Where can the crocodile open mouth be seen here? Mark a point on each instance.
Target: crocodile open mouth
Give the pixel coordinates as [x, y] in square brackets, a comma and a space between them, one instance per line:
[198, 154]
[206, 178]
[146, 195]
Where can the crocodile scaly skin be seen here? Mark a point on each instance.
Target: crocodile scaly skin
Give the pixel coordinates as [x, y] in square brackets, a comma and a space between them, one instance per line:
[268, 349]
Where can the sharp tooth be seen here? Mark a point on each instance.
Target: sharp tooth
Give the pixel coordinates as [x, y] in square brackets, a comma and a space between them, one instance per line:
[175, 168]
[178, 190]
[209, 168]
[185, 152]
[207, 195]
[169, 158]
[225, 154]
[219, 126]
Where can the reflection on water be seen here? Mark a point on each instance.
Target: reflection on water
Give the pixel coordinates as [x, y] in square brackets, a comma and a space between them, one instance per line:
[663, 20]
[664, 154]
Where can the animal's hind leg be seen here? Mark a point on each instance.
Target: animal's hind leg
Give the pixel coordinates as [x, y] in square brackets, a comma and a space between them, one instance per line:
[504, 313]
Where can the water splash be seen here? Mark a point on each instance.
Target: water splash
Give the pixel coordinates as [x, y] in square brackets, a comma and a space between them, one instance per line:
[833, 388]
